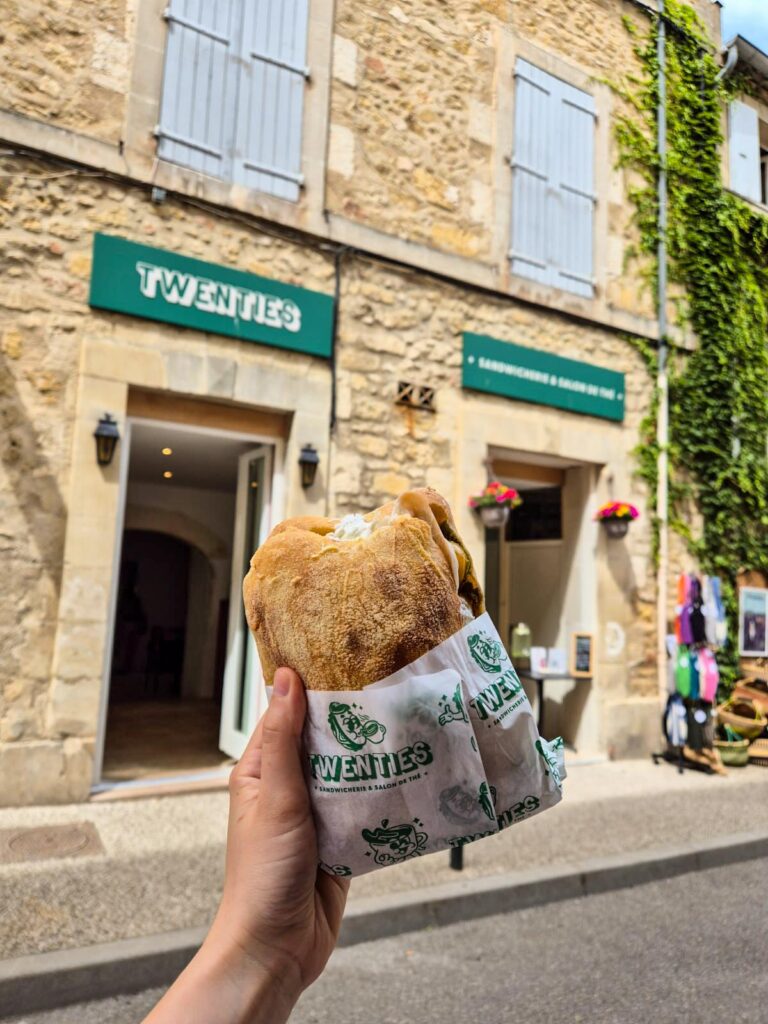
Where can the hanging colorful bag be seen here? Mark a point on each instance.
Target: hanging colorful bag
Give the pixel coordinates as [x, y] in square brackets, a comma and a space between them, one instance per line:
[683, 671]
[709, 675]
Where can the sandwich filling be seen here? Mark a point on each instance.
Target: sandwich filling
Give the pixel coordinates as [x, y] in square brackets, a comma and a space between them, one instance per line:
[352, 527]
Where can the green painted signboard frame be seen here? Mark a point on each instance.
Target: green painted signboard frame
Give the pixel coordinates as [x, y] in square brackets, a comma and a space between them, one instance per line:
[503, 368]
[156, 284]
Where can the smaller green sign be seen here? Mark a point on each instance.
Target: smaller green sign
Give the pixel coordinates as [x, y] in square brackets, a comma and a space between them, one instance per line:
[501, 368]
[159, 285]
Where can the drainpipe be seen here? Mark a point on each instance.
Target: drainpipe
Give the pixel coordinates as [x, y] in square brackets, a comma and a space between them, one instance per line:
[662, 383]
[730, 63]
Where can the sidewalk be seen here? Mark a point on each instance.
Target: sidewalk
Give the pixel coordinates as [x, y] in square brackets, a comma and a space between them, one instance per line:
[162, 862]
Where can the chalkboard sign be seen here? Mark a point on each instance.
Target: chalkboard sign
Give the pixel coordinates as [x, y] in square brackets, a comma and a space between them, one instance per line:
[581, 655]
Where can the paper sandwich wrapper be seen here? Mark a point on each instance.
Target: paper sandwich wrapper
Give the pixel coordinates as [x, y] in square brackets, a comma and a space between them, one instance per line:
[441, 753]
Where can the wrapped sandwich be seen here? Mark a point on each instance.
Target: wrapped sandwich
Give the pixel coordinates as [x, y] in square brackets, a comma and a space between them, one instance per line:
[419, 735]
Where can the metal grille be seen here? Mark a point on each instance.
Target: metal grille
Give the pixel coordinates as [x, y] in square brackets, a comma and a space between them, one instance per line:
[417, 396]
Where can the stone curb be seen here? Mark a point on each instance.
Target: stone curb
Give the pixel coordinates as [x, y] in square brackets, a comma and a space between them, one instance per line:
[46, 981]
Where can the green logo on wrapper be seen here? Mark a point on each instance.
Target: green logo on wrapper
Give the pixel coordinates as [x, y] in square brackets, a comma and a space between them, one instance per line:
[521, 810]
[336, 869]
[487, 798]
[352, 728]
[497, 695]
[391, 844]
[486, 651]
[453, 708]
[458, 805]
[550, 761]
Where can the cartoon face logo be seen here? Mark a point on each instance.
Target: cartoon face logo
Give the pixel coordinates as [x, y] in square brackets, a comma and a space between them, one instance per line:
[391, 844]
[486, 652]
[453, 708]
[458, 806]
[352, 728]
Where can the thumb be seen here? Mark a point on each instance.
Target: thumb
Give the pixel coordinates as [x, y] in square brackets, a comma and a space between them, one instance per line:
[282, 778]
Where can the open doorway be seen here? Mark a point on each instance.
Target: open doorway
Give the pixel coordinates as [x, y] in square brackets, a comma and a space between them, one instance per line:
[543, 579]
[176, 621]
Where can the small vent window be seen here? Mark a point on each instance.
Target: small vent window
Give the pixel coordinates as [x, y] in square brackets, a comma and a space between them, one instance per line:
[416, 396]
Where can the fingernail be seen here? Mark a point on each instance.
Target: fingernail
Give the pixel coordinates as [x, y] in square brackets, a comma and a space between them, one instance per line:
[282, 684]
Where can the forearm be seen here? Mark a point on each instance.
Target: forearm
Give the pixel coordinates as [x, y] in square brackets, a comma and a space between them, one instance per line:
[222, 985]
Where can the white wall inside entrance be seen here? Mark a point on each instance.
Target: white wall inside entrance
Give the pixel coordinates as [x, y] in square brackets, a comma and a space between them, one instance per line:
[212, 509]
[551, 586]
[177, 510]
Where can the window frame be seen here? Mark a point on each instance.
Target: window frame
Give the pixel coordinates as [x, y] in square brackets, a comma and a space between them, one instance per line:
[561, 94]
[140, 154]
[608, 258]
[761, 109]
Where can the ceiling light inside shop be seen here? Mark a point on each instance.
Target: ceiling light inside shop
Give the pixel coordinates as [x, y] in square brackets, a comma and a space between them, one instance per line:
[167, 451]
[167, 474]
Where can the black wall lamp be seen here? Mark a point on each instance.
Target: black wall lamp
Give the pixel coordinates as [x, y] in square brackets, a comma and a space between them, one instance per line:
[107, 435]
[308, 462]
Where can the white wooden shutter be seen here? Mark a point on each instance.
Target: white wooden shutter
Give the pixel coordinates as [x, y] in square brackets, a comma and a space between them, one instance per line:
[553, 195]
[573, 197]
[531, 171]
[197, 109]
[744, 147]
[270, 109]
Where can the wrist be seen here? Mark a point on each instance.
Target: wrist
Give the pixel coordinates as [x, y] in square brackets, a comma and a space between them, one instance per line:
[265, 984]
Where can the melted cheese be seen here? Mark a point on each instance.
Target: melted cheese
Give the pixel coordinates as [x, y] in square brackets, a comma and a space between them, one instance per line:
[352, 527]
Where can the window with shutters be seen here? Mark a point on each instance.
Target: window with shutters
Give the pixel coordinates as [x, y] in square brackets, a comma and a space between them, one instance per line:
[553, 189]
[233, 91]
[747, 152]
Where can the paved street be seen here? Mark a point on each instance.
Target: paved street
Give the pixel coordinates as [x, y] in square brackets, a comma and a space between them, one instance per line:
[673, 952]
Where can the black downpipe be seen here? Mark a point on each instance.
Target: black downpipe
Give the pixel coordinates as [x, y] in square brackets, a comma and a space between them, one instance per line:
[337, 258]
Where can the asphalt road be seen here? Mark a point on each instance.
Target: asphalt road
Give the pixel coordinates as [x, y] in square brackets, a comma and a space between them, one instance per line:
[690, 950]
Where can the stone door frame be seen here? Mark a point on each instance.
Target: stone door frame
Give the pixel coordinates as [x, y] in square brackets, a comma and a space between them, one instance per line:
[111, 372]
[277, 513]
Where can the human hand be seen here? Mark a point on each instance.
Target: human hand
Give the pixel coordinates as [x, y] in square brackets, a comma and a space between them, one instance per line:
[279, 907]
[280, 915]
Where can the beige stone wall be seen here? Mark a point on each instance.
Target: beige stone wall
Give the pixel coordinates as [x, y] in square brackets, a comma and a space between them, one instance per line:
[59, 360]
[412, 119]
[67, 63]
[398, 326]
[419, 132]
[414, 153]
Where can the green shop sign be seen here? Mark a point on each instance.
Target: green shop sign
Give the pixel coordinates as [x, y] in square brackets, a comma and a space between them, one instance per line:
[159, 285]
[501, 368]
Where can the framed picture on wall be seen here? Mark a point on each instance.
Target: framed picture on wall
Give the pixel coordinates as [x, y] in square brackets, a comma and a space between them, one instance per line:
[582, 655]
[753, 622]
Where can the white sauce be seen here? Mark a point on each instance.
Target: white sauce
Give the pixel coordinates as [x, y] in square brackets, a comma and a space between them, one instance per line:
[352, 527]
[466, 612]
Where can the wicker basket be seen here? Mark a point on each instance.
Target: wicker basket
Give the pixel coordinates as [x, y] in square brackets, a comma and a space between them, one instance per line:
[758, 753]
[734, 753]
[753, 689]
[754, 668]
[742, 716]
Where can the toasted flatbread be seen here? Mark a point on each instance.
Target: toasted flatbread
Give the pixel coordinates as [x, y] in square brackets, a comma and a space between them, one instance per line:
[347, 602]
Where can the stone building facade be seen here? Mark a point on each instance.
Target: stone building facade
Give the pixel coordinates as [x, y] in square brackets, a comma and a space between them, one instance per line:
[402, 219]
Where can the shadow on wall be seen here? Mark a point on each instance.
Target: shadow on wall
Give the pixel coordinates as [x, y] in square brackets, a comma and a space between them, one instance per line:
[31, 479]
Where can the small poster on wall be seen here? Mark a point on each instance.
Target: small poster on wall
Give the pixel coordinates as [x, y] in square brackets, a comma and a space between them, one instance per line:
[582, 647]
[753, 622]
[548, 661]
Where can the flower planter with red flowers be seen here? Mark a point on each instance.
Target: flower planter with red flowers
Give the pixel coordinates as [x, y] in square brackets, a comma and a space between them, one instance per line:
[615, 517]
[494, 504]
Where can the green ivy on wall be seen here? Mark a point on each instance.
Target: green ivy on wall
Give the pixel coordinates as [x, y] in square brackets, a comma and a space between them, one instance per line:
[718, 258]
